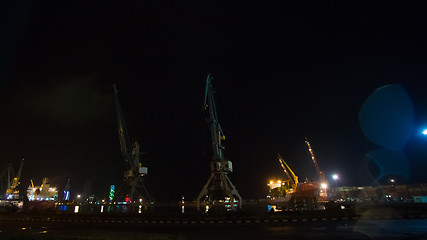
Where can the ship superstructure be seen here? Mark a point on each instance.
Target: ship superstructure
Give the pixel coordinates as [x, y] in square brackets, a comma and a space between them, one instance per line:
[45, 192]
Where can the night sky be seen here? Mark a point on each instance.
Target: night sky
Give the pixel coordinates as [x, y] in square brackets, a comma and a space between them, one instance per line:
[282, 71]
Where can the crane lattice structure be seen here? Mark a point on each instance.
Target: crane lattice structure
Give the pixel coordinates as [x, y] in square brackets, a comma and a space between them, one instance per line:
[219, 193]
[289, 173]
[320, 174]
[11, 191]
[133, 189]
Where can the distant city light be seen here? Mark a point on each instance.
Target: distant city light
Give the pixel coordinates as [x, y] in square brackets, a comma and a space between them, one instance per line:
[335, 176]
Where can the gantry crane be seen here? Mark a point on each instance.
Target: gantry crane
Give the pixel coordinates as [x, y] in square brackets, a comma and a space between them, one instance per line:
[133, 190]
[292, 177]
[218, 192]
[320, 174]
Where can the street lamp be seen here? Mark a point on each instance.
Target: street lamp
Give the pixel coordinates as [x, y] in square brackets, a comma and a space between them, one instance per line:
[335, 177]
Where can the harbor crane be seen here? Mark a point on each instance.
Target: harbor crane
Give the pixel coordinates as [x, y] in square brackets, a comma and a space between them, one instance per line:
[66, 196]
[133, 185]
[320, 174]
[12, 192]
[219, 193]
[289, 173]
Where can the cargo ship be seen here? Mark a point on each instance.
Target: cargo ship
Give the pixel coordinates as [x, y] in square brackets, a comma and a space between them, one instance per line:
[42, 197]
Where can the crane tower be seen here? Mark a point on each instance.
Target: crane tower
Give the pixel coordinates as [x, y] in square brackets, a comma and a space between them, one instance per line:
[133, 189]
[218, 194]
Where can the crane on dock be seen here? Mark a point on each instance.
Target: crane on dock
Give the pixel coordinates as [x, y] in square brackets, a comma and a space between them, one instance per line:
[133, 187]
[289, 173]
[12, 181]
[66, 196]
[320, 174]
[219, 193]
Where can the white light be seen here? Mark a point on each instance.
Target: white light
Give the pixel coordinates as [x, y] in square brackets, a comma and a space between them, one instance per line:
[425, 132]
[323, 185]
[335, 176]
[76, 209]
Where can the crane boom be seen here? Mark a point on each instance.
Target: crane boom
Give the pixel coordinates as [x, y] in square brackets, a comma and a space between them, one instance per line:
[284, 169]
[215, 128]
[125, 143]
[318, 171]
[320, 174]
[292, 175]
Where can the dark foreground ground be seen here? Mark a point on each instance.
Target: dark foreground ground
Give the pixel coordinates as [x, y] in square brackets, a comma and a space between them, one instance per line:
[363, 222]
[350, 229]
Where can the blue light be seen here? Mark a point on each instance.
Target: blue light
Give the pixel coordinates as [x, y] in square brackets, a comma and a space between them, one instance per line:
[66, 195]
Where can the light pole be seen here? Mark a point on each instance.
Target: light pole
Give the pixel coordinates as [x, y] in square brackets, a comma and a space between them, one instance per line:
[335, 177]
[334, 191]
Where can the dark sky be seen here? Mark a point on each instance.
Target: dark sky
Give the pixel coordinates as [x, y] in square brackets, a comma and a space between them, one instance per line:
[282, 71]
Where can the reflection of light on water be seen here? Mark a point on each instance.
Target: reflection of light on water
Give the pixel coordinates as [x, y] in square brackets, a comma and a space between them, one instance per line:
[43, 232]
[76, 209]
[102, 209]
[182, 202]
[23, 228]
